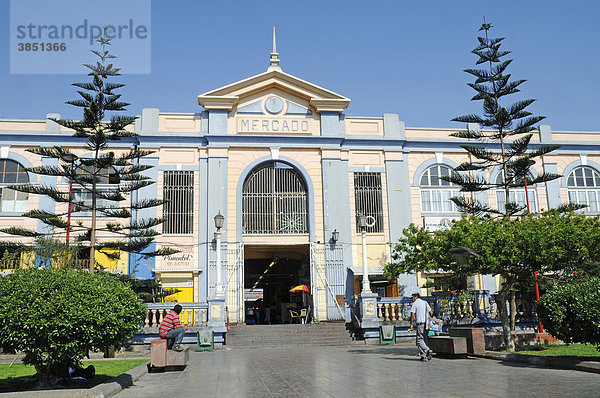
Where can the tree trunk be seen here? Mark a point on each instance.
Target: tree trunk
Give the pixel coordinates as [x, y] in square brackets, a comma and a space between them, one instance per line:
[45, 378]
[507, 337]
[513, 310]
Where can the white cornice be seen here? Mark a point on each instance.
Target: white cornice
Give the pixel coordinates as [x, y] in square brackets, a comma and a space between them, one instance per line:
[329, 104]
[226, 102]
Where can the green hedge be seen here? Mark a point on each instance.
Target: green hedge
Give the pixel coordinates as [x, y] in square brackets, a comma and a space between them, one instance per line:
[571, 311]
[55, 316]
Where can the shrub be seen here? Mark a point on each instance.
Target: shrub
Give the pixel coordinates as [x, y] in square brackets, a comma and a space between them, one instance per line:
[571, 311]
[55, 316]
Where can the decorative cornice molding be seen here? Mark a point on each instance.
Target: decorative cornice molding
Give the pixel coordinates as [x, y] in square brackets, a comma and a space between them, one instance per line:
[329, 104]
[226, 102]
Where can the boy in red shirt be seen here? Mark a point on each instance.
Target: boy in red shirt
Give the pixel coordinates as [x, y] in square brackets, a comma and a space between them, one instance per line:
[172, 330]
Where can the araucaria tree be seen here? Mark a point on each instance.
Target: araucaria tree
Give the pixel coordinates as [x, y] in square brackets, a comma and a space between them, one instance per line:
[507, 127]
[102, 181]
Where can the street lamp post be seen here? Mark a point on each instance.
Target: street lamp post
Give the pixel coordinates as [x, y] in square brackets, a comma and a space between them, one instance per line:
[362, 222]
[69, 158]
[219, 220]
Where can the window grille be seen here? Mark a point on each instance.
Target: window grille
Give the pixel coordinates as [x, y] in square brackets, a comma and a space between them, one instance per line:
[368, 199]
[12, 173]
[274, 201]
[435, 192]
[583, 185]
[178, 189]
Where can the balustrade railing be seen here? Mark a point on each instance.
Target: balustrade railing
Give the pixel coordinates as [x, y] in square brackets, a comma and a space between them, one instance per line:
[478, 305]
[193, 314]
[6, 265]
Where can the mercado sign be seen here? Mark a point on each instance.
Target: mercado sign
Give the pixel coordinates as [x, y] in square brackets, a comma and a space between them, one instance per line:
[272, 125]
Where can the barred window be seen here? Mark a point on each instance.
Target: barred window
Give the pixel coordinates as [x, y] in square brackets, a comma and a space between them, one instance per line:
[12, 173]
[583, 185]
[178, 189]
[368, 199]
[274, 201]
[435, 192]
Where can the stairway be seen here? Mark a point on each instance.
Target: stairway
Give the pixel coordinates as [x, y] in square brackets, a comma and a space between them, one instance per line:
[264, 336]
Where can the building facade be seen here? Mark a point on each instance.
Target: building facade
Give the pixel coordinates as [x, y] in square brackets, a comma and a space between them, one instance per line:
[278, 157]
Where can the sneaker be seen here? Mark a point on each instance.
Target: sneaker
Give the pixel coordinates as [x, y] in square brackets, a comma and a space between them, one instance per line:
[424, 359]
[178, 348]
[429, 355]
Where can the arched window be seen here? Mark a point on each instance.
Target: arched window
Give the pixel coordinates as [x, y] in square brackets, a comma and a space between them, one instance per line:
[583, 185]
[274, 201]
[516, 195]
[435, 192]
[12, 173]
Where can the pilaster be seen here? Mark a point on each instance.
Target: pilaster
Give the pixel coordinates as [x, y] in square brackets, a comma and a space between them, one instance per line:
[140, 266]
[552, 187]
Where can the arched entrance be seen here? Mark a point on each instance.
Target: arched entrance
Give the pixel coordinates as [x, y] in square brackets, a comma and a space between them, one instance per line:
[275, 228]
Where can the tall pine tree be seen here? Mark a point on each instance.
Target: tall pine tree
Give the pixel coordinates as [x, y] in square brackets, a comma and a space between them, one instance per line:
[103, 182]
[507, 126]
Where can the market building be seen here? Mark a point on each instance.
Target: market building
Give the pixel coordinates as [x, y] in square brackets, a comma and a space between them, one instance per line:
[290, 172]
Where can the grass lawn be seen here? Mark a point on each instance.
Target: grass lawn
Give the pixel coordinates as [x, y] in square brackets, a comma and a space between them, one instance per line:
[580, 351]
[19, 377]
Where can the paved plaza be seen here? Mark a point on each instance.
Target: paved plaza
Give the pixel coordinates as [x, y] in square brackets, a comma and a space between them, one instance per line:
[356, 371]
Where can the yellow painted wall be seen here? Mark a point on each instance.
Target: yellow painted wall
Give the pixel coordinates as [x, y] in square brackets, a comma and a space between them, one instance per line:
[116, 265]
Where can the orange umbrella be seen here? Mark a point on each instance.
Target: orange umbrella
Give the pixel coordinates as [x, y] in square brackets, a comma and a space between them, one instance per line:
[300, 288]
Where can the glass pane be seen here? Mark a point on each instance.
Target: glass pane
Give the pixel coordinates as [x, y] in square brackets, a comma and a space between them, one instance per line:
[22, 176]
[571, 180]
[446, 202]
[581, 196]
[21, 206]
[532, 201]
[500, 178]
[436, 201]
[10, 178]
[10, 167]
[425, 178]
[579, 177]
[500, 198]
[592, 201]
[9, 194]
[572, 197]
[8, 206]
[434, 176]
[425, 202]
[589, 178]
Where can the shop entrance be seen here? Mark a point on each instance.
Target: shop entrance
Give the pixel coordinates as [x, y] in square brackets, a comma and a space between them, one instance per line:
[270, 271]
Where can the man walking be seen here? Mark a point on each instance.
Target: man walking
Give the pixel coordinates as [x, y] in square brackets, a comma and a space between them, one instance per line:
[418, 317]
[172, 330]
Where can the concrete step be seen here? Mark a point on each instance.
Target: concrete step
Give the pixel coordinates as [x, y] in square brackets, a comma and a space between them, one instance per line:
[253, 336]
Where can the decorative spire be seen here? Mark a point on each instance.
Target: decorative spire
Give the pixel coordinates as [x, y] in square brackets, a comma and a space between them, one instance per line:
[274, 65]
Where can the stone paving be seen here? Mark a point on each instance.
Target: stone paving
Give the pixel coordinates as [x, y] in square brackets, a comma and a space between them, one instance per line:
[356, 371]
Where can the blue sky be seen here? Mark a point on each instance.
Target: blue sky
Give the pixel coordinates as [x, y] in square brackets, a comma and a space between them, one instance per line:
[402, 57]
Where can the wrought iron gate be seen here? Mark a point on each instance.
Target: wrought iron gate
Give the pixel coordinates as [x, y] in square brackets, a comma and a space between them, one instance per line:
[328, 280]
[232, 276]
[235, 282]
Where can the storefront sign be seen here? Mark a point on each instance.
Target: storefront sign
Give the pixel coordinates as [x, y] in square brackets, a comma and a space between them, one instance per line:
[184, 259]
[437, 223]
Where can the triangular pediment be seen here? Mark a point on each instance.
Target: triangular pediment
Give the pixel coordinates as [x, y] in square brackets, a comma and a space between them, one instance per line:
[301, 93]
